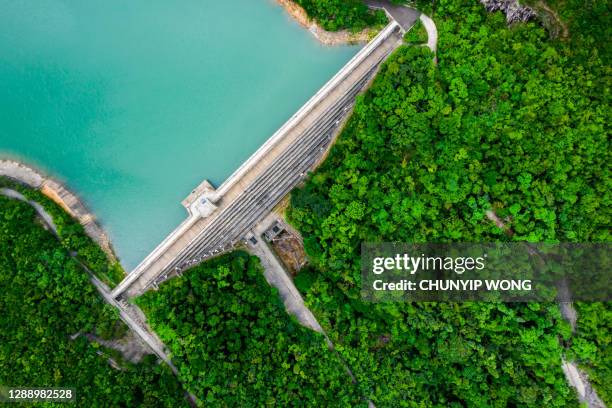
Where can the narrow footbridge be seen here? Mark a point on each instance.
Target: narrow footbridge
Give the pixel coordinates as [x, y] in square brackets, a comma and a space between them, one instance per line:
[220, 219]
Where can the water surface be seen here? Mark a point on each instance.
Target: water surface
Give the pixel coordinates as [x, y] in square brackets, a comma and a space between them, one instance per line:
[132, 104]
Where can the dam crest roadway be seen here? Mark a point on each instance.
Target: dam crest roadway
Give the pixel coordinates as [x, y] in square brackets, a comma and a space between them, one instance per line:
[221, 219]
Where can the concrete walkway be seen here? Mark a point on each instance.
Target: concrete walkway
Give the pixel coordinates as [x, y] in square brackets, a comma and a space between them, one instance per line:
[143, 332]
[42, 213]
[432, 32]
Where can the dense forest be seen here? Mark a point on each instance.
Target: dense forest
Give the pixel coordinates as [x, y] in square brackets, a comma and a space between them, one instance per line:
[510, 122]
[235, 345]
[47, 306]
[334, 15]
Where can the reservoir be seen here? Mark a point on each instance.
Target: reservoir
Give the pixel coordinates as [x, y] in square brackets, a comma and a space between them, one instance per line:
[133, 104]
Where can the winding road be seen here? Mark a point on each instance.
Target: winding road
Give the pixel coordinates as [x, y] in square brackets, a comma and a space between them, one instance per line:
[407, 17]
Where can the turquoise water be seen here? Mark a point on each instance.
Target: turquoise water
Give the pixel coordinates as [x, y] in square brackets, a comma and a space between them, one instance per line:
[132, 104]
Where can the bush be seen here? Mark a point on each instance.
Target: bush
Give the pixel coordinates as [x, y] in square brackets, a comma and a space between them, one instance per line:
[334, 15]
[417, 34]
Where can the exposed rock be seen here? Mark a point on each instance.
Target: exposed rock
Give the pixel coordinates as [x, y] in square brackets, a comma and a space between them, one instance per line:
[130, 346]
[511, 8]
[580, 381]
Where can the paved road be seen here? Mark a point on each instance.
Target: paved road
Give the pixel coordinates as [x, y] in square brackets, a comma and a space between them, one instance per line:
[579, 380]
[277, 277]
[404, 15]
[432, 32]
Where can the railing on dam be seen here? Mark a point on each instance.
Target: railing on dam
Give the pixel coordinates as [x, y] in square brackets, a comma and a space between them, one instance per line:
[307, 107]
[168, 247]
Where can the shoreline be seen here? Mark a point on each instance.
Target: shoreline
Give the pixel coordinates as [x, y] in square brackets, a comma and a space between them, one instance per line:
[342, 37]
[58, 193]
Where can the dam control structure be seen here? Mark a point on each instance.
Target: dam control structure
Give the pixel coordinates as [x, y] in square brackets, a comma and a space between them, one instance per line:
[219, 219]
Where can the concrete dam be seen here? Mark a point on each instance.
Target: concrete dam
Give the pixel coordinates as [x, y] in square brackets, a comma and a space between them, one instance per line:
[219, 219]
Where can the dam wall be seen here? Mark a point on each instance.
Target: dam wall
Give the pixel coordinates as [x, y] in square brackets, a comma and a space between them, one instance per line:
[279, 165]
